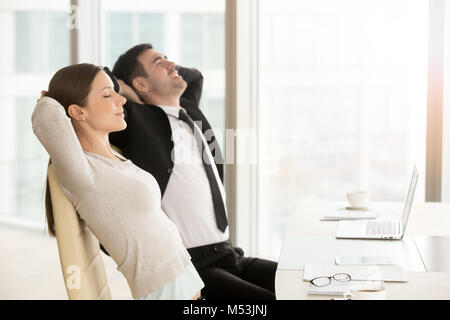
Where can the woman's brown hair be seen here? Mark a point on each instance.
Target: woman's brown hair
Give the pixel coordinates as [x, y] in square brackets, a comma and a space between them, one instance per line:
[69, 85]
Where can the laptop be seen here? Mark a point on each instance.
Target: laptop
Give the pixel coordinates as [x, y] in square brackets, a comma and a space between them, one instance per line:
[378, 229]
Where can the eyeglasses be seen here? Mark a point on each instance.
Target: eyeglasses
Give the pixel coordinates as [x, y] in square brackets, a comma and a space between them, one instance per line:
[324, 281]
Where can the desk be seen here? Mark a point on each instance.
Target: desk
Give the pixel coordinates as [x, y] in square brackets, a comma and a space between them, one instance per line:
[426, 248]
[429, 218]
[289, 285]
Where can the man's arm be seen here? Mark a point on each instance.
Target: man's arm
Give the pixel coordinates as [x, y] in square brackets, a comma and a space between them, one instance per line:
[194, 79]
[128, 92]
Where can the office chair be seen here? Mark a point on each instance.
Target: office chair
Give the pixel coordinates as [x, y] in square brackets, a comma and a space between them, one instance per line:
[79, 250]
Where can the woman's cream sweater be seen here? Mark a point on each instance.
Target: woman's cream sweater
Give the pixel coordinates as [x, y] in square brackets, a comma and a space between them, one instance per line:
[119, 202]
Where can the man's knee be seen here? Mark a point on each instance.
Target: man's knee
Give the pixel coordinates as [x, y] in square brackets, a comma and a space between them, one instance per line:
[210, 273]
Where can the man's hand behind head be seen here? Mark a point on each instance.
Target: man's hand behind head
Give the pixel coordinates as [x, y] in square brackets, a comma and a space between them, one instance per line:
[128, 92]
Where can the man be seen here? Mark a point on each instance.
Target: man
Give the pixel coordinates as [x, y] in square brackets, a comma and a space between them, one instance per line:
[166, 137]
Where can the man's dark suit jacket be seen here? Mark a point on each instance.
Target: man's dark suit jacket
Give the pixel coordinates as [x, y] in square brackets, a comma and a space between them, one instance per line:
[147, 140]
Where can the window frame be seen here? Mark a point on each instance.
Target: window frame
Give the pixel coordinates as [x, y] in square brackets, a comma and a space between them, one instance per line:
[242, 112]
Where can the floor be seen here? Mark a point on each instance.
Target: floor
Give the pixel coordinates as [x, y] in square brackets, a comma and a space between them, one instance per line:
[30, 268]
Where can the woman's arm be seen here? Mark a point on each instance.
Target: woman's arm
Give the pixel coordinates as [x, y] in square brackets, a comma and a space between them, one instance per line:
[55, 131]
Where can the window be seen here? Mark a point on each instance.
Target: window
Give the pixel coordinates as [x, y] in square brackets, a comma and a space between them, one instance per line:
[48, 34]
[192, 35]
[35, 43]
[124, 29]
[343, 85]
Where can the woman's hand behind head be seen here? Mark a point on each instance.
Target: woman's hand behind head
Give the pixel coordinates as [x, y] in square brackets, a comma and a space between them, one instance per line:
[43, 94]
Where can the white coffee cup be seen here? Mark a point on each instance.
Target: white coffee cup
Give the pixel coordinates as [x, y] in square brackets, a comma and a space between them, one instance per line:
[358, 199]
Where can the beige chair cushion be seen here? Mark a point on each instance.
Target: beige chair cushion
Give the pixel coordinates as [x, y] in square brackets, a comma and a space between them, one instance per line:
[79, 251]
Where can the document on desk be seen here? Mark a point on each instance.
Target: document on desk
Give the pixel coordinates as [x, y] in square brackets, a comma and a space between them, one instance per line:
[349, 215]
[333, 289]
[357, 272]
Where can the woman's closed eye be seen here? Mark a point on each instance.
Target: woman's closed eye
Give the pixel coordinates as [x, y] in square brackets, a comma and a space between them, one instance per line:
[107, 96]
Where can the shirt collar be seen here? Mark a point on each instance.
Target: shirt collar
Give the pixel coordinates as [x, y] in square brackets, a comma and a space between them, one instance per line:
[172, 111]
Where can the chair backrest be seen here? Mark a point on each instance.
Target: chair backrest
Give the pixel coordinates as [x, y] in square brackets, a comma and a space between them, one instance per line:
[79, 250]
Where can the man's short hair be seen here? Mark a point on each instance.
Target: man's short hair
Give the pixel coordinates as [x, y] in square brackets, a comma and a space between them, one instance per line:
[127, 67]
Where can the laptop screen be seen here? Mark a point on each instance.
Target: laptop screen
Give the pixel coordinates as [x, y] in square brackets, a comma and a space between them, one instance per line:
[409, 197]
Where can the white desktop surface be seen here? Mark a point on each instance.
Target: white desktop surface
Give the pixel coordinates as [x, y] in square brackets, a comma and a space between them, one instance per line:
[300, 250]
[306, 238]
[289, 285]
[429, 218]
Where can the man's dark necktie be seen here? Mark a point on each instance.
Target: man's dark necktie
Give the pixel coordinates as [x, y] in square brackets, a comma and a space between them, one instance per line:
[219, 206]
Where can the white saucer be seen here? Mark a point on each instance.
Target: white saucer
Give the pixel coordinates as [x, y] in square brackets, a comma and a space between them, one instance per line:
[357, 208]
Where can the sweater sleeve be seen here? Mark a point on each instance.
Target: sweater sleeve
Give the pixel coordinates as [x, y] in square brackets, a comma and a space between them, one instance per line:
[55, 131]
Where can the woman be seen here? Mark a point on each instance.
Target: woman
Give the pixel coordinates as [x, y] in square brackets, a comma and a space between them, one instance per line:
[120, 203]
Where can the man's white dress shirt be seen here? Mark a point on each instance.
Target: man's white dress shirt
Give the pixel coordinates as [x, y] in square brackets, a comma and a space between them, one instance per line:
[187, 200]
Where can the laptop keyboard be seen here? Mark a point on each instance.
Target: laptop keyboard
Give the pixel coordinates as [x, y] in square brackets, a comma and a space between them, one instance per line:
[382, 227]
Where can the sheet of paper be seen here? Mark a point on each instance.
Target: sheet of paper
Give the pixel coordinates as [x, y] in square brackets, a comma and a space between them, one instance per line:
[333, 289]
[336, 288]
[358, 272]
[349, 215]
[364, 260]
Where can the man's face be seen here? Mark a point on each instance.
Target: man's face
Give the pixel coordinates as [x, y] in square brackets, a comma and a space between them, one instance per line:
[163, 78]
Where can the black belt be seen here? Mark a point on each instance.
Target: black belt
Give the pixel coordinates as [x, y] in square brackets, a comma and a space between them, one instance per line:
[203, 251]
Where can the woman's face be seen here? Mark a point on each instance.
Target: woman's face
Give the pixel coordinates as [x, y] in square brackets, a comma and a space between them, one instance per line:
[103, 110]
